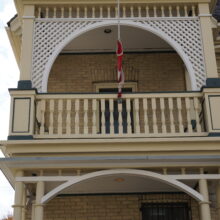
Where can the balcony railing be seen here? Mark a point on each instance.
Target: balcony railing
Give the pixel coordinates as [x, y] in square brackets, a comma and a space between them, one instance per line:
[102, 116]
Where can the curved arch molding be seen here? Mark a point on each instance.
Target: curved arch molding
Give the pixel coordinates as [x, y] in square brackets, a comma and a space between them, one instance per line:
[132, 172]
[50, 37]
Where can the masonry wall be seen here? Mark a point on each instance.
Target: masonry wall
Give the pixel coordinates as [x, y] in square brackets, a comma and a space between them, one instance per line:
[151, 71]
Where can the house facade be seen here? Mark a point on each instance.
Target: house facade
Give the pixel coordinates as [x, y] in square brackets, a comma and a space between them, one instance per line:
[77, 152]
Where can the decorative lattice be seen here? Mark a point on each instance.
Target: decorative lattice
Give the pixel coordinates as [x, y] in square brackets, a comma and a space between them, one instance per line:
[49, 35]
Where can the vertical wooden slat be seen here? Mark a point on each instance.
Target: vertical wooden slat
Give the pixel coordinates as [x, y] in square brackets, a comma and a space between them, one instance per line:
[154, 108]
[62, 12]
[170, 104]
[124, 12]
[93, 12]
[136, 116]
[85, 12]
[162, 11]
[109, 12]
[68, 117]
[51, 125]
[85, 109]
[155, 11]
[42, 121]
[120, 126]
[146, 123]
[128, 110]
[185, 11]
[163, 119]
[178, 11]
[170, 11]
[103, 130]
[39, 12]
[196, 106]
[94, 119]
[189, 125]
[77, 116]
[111, 110]
[47, 12]
[60, 118]
[180, 118]
[147, 11]
[77, 12]
[54, 12]
[132, 11]
[70, 12]
[139, 11]
[193, 11]
[101, 12]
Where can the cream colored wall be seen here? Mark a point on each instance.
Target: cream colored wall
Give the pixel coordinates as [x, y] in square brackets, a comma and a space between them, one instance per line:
[78, 73]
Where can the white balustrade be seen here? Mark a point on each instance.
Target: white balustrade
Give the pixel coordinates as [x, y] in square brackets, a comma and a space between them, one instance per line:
[101, 115]
[109, 11]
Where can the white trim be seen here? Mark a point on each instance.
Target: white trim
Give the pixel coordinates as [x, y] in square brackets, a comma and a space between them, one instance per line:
[126, 22]
[162, 178]
[105, 85]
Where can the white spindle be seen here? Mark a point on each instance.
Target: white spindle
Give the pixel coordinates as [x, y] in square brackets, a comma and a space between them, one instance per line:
[197, 112]
[154, 108]
[180, 118]
[147, 11]
[146, 124]
[51, 127]
[155, 11]
[193, 11]
[39, 12]
[120, 125]
[47, 12]
[116, 12]
[128, 110]
[189, 125]
[70, 12]
[162, 11]
[94, 119]
[68, 116]
[103, 116]
[132, 11]
[136, 115]
[54, 12]
[139, 11]
[185, 11]
[77, 12]
[42, 113]
[62, 12]
[124, 12]
[163, 119]
[170, 11]
[93, 12]
[170, 104]
[111, 112]
[178, 11]
[101, 12]
[85, 12]
[109, 12]
[60, 118]
[85, 108]
[77, 116]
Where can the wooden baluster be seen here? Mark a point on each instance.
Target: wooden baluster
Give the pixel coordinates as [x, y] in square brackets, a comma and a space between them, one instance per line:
[103, 116]
[68, 117]
[139, 11]
[178, 11]
[85, 12]
[109, 11]
[70, 12]
[85, 107]
[120, 121]
[39, 12]
[180, 118]
[77, 12]
[162, 11]
[42, 111]
[93, 12]
[116, 12]
[163, 119]
[170, 11]
[154, 108]
[94, 119]
[132, 11]
[62, 12]
[54, 12]
[147, 11]
[101, 12]
[172, 126]
[155, 11]
[60, 118]
[185, 11]
[111, 110]
[193, 11]
[197, 112]
[47, 12]
[51, 116]
[128, 110]
[124, 12]
[77, 116]
[146, 124]
[189, 125]
[136, 116]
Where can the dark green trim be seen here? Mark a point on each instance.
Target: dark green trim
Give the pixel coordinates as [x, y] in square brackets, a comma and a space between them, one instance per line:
[213, 134]
[213, 83]
[20, 137]
[24, 84]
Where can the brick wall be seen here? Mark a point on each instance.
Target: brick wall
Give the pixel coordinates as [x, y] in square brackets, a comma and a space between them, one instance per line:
[151, 71]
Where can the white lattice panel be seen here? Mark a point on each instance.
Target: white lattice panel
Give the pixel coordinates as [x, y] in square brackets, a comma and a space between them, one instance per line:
[50, 34]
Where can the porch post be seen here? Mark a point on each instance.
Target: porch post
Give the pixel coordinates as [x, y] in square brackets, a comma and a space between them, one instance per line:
[218, 198]
[18, 201]
[204, 206]
[39, 210]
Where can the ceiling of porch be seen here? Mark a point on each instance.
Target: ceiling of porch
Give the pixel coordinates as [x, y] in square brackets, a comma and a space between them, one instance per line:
[134, 39]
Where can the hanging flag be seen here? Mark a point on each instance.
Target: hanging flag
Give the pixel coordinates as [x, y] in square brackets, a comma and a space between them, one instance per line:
[119, 68]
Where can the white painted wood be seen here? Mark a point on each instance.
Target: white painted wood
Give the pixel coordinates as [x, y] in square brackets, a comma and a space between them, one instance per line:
[189, 125]
[120, 126]
[94, 113]
[42, 113]
[154, 107]
[136, 116]
[70, 12]
[146, 124]
[128, 110]
[111, 110]
[86, 128]
[197, 112]
[51, 121]
[68, 116]
[163, 119]
[103, 116]
[180, 118]
[170, 11]
[172, 126]
[60, 117]
[77, 116]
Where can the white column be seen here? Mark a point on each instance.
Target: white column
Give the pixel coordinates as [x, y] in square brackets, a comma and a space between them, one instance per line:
[39, 210]
[205, 213]
[18, 201]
